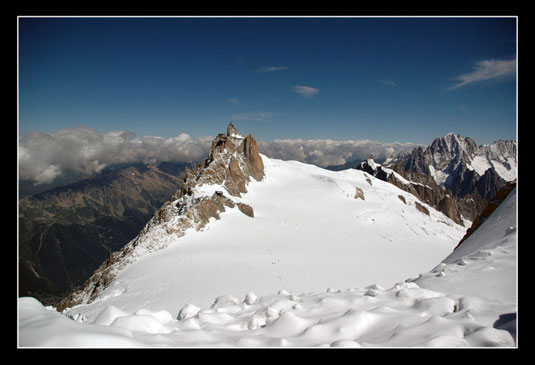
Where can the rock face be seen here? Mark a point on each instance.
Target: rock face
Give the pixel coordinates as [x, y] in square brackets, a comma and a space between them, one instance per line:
[491, 207]
[253, 159]
[454, 167]
[458, 164]
[232, 161]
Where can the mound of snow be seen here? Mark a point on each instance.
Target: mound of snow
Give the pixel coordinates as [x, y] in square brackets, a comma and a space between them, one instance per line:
[405, 315]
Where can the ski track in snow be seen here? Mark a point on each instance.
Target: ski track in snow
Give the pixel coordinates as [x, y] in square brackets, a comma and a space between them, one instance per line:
[469, 299]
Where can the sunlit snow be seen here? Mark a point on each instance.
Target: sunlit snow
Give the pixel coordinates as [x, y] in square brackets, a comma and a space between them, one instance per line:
[316, 266]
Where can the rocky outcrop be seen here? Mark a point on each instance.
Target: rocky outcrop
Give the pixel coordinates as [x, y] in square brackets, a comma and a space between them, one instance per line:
[491, 207]
[232, 161]
[253, 159]
[359, 193]
[232, 131]
[208, 189]
[246, 209]
[373, 169]
[421, 208]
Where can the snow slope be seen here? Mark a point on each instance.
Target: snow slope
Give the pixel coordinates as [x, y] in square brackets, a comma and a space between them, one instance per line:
[488, 255]
[309, 234]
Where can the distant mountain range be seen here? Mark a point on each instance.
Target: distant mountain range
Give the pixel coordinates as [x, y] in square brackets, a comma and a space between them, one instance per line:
[65, 233]
[453, 174]
[460, 165]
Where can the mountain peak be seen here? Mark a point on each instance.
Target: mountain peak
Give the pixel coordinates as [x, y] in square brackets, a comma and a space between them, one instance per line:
[207, 191]
[458, 164]
[232, 131]
[455, 139]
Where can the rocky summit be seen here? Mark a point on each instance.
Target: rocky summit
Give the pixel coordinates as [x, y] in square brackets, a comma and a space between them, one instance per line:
[460, 165]
[209, 188]
[456, 168]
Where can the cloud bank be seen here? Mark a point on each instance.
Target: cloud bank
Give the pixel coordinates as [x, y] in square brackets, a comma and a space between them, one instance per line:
[43, 157]
[326, 152]
[487, 70]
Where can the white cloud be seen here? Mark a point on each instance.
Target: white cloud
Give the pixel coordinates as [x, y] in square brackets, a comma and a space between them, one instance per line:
[306, 91]
[234, 101]
[388, 83]
[48, 174]
[327, 152]
[260, 116]
[487, 70]
[43, 157]
[272, 68]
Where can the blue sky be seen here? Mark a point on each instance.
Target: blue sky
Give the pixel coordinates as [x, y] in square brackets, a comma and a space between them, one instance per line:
[383, 79]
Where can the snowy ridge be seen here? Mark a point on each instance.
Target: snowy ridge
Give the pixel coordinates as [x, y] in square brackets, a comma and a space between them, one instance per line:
[389, 172]
[232, 160]
[445, 307]
[489, 254]
[181, 215]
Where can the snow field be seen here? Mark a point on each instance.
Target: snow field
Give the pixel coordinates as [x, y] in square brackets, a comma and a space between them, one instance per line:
[309, 233]
[308, 240]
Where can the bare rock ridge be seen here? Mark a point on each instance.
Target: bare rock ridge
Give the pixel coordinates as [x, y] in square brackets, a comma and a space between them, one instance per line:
[232, 161]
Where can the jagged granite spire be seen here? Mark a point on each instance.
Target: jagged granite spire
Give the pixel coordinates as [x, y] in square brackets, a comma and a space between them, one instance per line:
[232, 131]
[206, 192]
[231, 162]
